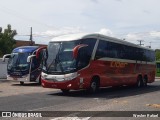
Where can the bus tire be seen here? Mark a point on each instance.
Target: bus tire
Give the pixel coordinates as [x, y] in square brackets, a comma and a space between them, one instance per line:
[21, 82]
[39, 81]
[65, 91]
[139, 82]
[94, 85]
[145, 80]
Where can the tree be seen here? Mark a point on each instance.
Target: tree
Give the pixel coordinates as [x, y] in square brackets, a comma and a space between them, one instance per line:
[157, 54]
[7, 41]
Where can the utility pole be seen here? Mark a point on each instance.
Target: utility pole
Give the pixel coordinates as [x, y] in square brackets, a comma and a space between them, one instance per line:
[140, 42]
[150, 44]
[31, 38]
[0, 29]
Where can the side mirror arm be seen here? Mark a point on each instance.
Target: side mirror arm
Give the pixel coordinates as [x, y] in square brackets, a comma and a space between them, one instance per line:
[39, 50]
[7, 55]
[29, 58]
[76, 49]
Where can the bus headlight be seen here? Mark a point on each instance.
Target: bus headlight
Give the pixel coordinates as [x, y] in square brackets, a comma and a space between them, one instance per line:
[70, 76]
[59, 78]
[43, 76]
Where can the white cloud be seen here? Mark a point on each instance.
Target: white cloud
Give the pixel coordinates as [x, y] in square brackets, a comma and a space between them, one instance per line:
[105, 31]
[133, 37]
[58, 32]
[149, 38]
[155, 34]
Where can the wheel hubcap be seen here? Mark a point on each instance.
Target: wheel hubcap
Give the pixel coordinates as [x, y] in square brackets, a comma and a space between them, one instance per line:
[139, 83]
[93, 86]
[145, 82]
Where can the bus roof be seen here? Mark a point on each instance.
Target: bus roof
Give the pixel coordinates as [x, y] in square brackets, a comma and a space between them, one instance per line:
[25, 49]
[71, 37]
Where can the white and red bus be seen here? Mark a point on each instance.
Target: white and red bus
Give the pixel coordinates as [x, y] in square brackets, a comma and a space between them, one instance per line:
[91, 61]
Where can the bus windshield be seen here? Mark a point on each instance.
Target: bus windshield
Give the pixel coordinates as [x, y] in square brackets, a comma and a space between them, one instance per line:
[18, 62]
[60, 57]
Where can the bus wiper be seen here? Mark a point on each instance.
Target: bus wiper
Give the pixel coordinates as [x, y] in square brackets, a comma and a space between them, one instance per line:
[11, 63]
[58, 60]
[18, 64]
[51, 64]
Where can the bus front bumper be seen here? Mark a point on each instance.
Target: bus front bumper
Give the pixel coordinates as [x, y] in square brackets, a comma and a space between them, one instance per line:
[71, 84]
[21, 79]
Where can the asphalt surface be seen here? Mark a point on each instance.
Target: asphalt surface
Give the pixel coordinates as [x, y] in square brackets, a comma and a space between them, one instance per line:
[32, 97]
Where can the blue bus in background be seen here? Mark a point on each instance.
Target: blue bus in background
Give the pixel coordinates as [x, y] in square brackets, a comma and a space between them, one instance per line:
[22, 70]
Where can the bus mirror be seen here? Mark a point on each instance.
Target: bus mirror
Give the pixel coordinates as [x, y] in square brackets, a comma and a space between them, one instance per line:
[30, 57]
[5, 56]
[39, 50]
[77, 48]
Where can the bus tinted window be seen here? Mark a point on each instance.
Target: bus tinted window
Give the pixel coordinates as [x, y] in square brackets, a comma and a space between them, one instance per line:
[86, 52]
[91, 43]
[120, 51]
[109, 49]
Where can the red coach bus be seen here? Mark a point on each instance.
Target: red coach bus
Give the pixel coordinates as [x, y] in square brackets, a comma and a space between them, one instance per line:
[91, 61]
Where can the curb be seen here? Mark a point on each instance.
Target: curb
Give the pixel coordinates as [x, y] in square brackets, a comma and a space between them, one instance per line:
[3, 80]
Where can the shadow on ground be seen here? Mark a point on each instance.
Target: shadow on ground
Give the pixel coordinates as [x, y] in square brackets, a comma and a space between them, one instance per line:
[111, 92]
[26, 84]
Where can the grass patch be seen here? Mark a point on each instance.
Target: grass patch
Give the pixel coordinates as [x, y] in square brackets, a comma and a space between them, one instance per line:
[157, 74]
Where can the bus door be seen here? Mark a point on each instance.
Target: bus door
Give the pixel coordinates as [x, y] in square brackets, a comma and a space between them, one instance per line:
[36, 69]
[36, 63]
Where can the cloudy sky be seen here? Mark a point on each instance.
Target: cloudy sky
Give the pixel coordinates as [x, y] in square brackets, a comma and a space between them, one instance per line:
[131, 20]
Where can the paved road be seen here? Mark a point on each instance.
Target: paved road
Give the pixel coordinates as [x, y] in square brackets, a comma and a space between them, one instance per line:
[32, 97]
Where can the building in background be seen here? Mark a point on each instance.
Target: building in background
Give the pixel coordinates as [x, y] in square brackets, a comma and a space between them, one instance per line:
[27, 43]
[3, 65]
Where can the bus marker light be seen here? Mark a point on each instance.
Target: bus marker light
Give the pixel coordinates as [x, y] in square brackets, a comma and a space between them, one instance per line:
[81, 80]
[43, 84]
[69, 85]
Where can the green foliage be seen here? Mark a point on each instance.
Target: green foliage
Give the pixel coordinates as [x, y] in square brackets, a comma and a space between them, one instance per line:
[158, 68]
[157, 74]
[157, 54]
[7, 42]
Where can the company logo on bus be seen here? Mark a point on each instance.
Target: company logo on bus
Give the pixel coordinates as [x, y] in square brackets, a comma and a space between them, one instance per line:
[116, 64]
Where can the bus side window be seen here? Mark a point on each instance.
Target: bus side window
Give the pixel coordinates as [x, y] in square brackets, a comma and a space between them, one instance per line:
[101, 50]
[85, 53]
[83, 58]
[40, 59]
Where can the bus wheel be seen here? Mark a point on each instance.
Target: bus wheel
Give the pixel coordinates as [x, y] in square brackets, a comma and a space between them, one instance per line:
[139, 82]
[94, 86]
[21, 82]
[39, 81]
[145, 81]
[65, 91]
